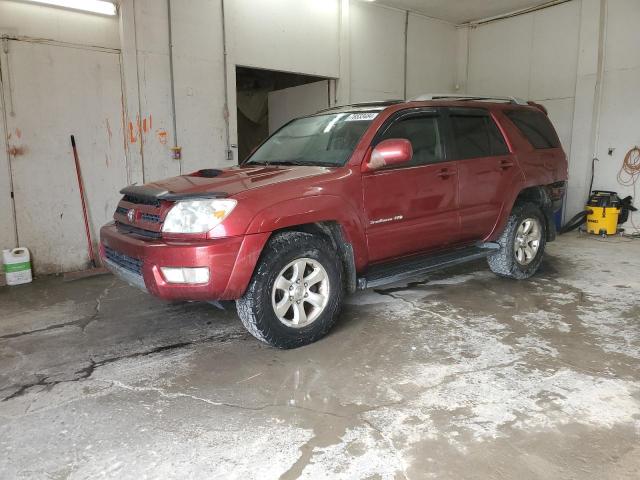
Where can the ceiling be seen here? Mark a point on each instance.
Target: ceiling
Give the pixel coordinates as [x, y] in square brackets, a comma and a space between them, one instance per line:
[461, 11]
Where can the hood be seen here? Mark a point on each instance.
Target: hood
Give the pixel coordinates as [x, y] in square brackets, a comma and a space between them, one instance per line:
[227, 182]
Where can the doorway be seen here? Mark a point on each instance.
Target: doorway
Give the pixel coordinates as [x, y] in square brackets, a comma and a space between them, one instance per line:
[86, 86]
[267, 99]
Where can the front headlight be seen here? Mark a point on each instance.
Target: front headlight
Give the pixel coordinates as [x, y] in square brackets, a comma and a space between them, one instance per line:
[197, 216]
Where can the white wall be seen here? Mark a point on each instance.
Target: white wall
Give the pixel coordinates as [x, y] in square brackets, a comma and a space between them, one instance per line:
[379, 36]
[19, 19]
[151, 38]
[619, 125]
[551, 56]
[431, 56]
[377, 52]
[287, 35]
[531, 56]
[24, 19]
[199, 83]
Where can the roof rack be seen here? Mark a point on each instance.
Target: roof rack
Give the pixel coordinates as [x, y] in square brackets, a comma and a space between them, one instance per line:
[453, 96]
[381, 103]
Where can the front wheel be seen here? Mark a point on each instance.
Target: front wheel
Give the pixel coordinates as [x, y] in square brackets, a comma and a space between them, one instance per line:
[522, 243]
[296, 292]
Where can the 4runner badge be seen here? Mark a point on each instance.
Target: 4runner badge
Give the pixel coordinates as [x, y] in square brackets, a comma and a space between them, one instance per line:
[131, 215]
[384, 220]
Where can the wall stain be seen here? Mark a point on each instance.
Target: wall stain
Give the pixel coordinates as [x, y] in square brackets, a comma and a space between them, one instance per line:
[161, 134]
[109, 132]
[18, 151]
[18, 133]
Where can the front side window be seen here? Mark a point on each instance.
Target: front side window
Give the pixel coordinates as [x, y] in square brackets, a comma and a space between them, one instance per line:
[423, 133]
[324, 140]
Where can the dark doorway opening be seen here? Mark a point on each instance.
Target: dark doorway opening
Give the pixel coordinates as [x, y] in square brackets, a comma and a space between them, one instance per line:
[253, 89]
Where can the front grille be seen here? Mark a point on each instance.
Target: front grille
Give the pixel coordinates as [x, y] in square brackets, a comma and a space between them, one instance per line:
[131, 264]
[150, 217]
[123, 228]
[144, 216]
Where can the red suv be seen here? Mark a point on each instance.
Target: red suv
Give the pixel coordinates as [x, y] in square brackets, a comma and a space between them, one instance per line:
[352, 197]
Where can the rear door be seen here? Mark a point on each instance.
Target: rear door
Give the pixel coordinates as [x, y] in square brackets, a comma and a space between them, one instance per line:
[486, 170]
[412, 208]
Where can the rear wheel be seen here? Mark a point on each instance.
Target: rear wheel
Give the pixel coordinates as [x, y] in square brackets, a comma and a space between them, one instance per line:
[296, 292]
[522, 243]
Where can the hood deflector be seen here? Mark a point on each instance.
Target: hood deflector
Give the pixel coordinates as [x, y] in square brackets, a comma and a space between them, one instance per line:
[151, 193]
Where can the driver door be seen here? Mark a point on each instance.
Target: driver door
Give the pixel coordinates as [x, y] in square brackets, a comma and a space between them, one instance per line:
[413, 207]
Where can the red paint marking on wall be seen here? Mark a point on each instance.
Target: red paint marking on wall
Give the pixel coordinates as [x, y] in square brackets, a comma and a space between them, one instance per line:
[150, 122]
[142, 126]
[132, 135]
[18, 133]
[162, 136]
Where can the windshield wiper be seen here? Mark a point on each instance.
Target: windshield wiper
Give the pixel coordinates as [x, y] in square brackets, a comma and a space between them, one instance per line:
[293, 163]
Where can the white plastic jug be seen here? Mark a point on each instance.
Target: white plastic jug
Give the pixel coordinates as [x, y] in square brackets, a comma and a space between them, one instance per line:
[17, 266]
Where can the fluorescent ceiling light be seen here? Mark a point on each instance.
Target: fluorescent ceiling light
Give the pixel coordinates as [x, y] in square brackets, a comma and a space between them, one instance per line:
[93, 6]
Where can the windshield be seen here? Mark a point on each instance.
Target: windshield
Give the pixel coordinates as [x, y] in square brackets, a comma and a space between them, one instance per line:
[326, 140]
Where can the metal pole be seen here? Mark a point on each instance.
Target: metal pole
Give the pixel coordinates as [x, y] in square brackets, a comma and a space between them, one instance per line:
[171, 78]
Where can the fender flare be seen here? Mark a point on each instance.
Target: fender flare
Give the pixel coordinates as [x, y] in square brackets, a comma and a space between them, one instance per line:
[541, 197]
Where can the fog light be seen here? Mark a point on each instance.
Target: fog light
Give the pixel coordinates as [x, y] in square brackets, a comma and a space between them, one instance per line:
[185, 275]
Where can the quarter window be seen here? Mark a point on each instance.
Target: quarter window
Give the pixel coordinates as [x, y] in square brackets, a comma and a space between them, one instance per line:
[536, 127]
[424, 135]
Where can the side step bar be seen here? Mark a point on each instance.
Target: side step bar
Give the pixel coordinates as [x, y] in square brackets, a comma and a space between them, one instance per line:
[410, 268]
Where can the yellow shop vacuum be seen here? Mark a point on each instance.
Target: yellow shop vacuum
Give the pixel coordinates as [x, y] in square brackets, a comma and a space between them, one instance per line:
[603, 212]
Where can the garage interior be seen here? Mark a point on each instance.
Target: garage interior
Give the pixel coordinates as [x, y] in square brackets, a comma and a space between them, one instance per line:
[461, 374]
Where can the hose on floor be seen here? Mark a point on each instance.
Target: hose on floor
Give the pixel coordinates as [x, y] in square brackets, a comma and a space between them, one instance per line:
[575, 222]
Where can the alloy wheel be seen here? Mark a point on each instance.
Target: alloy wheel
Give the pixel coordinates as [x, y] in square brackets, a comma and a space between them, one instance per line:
[527, 241]
[300, 292]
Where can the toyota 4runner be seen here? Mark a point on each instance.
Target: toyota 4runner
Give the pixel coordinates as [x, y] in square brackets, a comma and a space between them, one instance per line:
[349, 198]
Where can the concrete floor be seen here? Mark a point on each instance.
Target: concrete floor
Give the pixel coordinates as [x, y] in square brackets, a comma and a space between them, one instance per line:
[462, 376]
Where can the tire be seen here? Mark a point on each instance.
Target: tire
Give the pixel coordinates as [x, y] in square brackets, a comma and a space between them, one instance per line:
[507, 263]
[281, 261]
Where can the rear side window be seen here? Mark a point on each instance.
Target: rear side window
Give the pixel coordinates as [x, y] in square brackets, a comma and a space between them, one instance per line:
[536, 127]
[423, 133]
[477, 136]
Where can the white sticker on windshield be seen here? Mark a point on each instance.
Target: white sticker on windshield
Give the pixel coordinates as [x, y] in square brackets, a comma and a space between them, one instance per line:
[359, 117]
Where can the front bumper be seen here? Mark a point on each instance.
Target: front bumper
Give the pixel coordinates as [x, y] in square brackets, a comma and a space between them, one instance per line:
[138, 261]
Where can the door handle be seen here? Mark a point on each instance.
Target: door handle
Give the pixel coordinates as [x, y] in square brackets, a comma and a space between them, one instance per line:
[504, 164]
[445, 173]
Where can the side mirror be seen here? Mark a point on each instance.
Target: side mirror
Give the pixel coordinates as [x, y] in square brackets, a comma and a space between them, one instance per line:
[393, 151]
